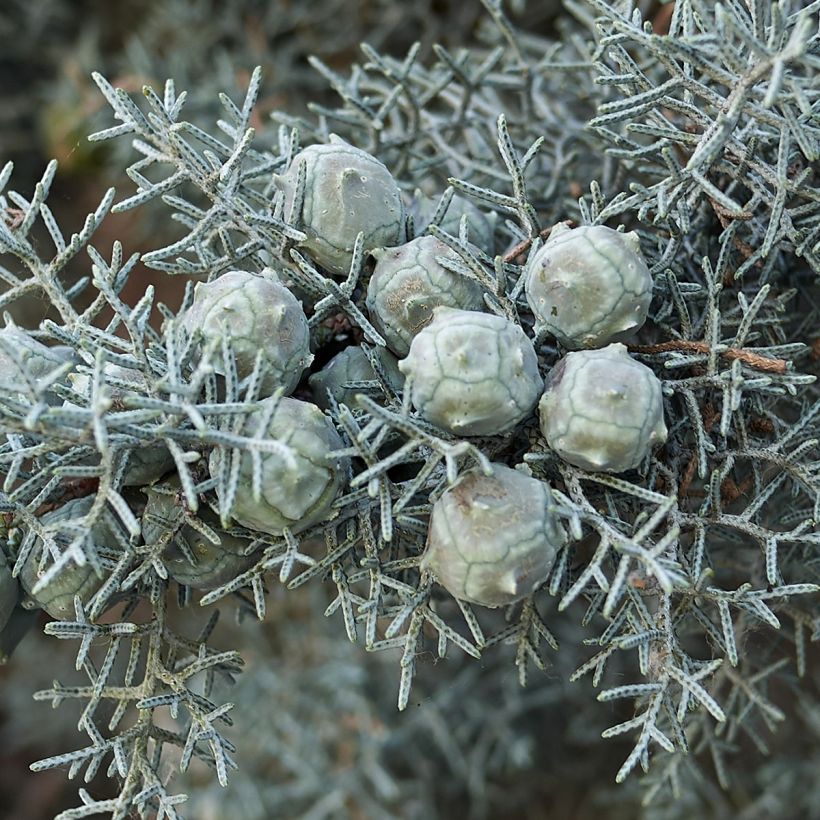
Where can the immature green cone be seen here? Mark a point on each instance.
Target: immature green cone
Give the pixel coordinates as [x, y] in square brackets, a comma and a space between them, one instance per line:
[209, 565]
[602, 410]
[38, 359]
[57, 597]
[347, 191]
[298, 486]
[408, 283]
[473, 374]
[260, 314]
[589, 286]
[351, 365]
[146, 462]
[493, 539]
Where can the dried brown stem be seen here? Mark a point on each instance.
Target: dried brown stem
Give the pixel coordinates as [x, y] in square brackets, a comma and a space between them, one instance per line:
[750, 357]
[725, 217]
[524, 245]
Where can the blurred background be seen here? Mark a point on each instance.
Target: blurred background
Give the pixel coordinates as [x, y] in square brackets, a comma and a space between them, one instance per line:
[49, 102]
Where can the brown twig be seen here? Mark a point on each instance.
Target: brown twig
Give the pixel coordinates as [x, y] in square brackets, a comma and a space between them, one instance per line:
[730, 490]
[524, 245]
[752, 359]
[13, 217]
[761, 425]
[688, 477]
[726, 217]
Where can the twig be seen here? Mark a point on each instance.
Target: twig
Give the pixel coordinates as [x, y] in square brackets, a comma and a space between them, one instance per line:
[524, 245]
[748, 356]
[725, 218]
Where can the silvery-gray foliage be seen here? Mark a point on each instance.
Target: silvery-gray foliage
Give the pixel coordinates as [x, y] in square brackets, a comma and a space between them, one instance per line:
[703, 141]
